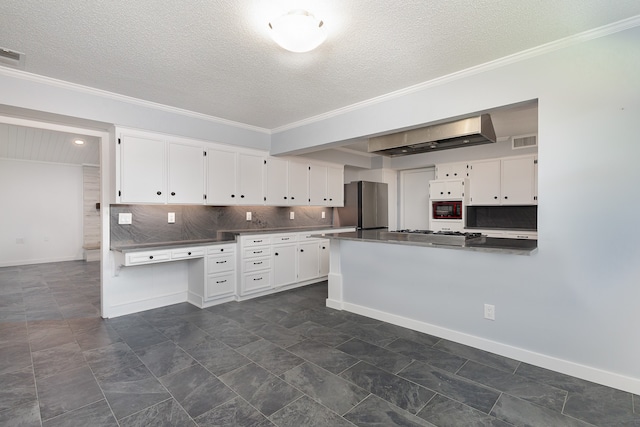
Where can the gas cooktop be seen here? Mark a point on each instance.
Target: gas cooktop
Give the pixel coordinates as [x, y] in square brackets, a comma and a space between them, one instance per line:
[450, 238]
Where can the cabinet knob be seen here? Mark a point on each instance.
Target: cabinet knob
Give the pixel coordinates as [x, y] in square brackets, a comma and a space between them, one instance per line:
[276, 253]
[301, 250]
[448, 192]
[495, 197]
[158, 192]
[188, 253]
[222, 250]
[331, 200]
[150, 256]
[455, 174]
[505, 197]
[324, 247]
[242, 196]
[292, 197]
[325, 199]
[442, 192]
[173, 193]
[285, 197]
[233, 195]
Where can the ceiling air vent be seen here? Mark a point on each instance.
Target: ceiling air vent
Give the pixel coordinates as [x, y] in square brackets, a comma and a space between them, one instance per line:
[11, 58]
[524, 141]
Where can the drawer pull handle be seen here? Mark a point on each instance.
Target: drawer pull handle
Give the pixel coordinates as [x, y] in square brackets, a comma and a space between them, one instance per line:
[257, 241]
[257, 252]
[285, 238]
[220, 281]
[221, 262]
[257, 263]
[258, 278]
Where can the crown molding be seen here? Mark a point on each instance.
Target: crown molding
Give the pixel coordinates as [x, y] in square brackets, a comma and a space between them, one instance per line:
[575, 39]
[36, 78]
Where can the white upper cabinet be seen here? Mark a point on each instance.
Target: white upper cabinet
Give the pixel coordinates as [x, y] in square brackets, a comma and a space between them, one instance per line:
[518, 181]
[250, 179]
[335, 185]
[221, 177]
[143, 169]
[484, 179]
[277, 182]
[446, 189]
[298, 185]
[452, 170]
[234, 178]
[186, 174]
[155, 171]
[506, 181]
[318, 185]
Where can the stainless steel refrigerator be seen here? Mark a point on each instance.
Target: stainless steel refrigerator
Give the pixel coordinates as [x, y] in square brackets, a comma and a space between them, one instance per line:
[366, 205]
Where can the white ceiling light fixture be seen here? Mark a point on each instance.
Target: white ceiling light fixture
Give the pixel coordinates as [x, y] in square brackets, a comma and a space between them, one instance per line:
[298, 31]
[78, 141]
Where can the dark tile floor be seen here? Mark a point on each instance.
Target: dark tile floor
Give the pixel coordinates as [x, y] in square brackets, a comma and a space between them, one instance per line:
[280, 360]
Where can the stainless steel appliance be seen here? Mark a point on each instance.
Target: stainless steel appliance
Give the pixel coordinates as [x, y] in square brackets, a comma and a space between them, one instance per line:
[365, 205]
[447, 238]
[449, 209]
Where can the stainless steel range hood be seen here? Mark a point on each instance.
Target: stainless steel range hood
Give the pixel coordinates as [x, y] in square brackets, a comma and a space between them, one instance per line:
[461, 133]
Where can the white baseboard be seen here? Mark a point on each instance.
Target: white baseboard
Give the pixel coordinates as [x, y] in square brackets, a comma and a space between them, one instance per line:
[39, 261]
[123, 309]
[610, 379]
[200, 302]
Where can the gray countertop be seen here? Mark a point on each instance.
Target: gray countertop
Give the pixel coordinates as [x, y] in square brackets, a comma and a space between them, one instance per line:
[227, 236]
[494, 245]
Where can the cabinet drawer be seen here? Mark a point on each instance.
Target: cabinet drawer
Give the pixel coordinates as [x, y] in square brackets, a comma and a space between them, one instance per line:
[187, 253]
[257, 252]
[220, 285]
[147, 257]
[220, 263]
[256, 281]
[257, 264]
[256, 241]
[221, 249]
[284, 238]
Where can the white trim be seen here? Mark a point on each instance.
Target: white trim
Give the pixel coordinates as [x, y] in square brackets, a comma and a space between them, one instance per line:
[595, 33]
[588, 373]
[123, 98]
[40, 261]
[123, 309]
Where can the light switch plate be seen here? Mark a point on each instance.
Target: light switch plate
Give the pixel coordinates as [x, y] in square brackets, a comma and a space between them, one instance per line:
[292, 215]
[125, 218]
[248, 216]
[323, 214]
[171, 217]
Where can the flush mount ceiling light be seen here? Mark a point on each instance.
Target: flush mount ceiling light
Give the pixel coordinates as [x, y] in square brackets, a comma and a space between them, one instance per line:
[298, 31]
[78, 141]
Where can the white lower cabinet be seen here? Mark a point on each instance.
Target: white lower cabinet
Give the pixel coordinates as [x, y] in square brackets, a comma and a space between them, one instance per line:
[255, 268]
[284, 264]
[323, 257]
[308, 263]
[221, 272]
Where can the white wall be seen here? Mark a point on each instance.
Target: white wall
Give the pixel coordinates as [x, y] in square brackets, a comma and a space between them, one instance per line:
[576, 300]
[42, 205]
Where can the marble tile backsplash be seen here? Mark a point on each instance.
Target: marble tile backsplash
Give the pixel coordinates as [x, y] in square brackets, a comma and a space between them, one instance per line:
[150, 225]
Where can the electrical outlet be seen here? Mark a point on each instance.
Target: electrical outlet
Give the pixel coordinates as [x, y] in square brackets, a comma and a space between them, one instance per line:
[292, 215]
[171, 217]
[490, 311]
[248, 216]
[323, 214]
[124, 218]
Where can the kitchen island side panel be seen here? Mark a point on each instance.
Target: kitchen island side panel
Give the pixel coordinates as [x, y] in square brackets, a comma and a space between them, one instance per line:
[443, 292]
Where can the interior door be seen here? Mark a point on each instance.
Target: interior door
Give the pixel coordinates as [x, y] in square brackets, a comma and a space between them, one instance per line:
[414, 203]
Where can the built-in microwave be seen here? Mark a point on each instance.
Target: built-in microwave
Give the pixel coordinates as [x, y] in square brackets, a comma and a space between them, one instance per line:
[447, 209]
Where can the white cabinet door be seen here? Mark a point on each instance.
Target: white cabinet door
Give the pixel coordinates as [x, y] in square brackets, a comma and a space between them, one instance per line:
[276, 191]
[284, 264]
[298, 184]
[308, 261]
[446, 189]
[142, 170]
[318, 185]
[335, 186]
[221, 177]
[485, 180]
[451, 170]
[518, 181]
[219, 285]
[186, 174]
[250, 179]
[323, 257]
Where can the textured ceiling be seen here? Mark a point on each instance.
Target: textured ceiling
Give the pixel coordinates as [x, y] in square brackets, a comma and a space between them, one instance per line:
[215, 56]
